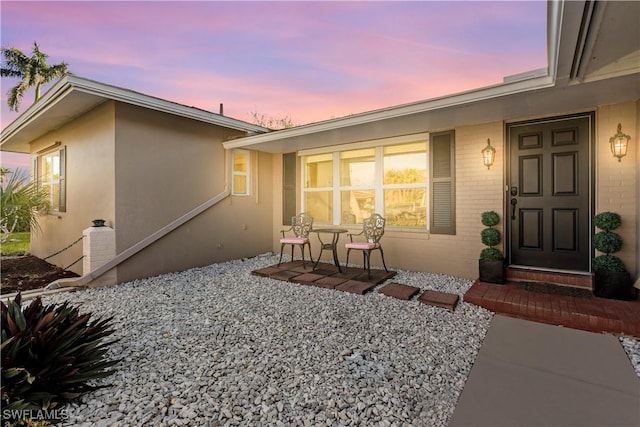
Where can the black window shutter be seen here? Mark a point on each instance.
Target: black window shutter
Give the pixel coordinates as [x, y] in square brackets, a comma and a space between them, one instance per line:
[63, 179]
[442, 182]
[288, 187]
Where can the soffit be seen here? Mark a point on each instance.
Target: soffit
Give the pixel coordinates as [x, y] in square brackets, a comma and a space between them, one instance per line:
[608, 43]
[542, 102]
[49, 119]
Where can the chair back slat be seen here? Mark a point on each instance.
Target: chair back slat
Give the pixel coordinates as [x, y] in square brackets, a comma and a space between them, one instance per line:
[302, 224]
[374, 228]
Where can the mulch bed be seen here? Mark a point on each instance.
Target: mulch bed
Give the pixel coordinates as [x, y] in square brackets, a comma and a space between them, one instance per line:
[23, 273]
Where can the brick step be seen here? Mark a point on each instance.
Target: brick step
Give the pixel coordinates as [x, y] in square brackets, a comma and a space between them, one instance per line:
[587, 313]
[584, 281]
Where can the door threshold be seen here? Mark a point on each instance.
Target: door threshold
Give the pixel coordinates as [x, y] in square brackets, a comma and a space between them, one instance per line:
[521, 273]
[549, 270]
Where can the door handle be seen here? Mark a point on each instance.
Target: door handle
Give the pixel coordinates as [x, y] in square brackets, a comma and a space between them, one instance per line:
[514, 202]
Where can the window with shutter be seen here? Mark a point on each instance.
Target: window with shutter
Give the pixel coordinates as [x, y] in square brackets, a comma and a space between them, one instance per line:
[442, 180]
[50, 171]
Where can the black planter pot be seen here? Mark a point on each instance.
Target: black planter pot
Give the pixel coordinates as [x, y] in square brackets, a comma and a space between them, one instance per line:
[613, 285]
[492, 271]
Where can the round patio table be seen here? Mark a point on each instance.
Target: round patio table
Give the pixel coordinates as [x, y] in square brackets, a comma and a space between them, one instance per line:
[332, 246]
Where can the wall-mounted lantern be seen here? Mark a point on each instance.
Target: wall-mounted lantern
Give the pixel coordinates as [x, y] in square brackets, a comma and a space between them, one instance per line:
[619, 143]
[488, 154]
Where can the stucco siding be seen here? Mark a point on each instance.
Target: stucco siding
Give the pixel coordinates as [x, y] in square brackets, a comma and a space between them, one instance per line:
[167, 166]
[616, 182]
[89, 184]
[477, 190]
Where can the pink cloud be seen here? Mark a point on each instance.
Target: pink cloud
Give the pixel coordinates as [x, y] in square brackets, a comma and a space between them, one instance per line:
[15, 161]
[309, 60]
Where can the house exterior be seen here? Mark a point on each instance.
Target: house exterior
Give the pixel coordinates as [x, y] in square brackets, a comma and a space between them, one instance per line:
[142, 163]
[551, 130]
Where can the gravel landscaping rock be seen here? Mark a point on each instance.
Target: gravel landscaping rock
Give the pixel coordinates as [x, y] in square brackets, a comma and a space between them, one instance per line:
[632, 347]
[218, 346]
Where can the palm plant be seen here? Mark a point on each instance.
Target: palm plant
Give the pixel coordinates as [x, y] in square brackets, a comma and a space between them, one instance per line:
[33, 72]
[20, 203]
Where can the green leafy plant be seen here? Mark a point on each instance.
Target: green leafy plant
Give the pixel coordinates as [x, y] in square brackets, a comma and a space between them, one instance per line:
[490, 218]
[50, 354]
[491, 254]
[607, 221]
[607, 242]
[608, 263]
[490, 237]
[33, 71]
[21, 201]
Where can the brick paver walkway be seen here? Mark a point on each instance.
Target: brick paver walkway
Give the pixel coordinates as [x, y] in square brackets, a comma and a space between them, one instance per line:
[589, 314]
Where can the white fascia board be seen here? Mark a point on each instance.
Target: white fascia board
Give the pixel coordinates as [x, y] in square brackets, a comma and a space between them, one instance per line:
[147, 101]
[399, 111]
[57, 91]
[555, 10]
[70, 83]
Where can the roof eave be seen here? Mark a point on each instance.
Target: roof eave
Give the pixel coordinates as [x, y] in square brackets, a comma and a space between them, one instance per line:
[449, 101]
[103, 92]
[135, 98]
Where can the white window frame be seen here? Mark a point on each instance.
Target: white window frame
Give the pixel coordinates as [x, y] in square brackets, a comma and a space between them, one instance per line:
[379, 185]
[49, 185]
[246, 174]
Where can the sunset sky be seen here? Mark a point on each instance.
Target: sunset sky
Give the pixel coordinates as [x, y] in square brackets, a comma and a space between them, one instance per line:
[310, 61]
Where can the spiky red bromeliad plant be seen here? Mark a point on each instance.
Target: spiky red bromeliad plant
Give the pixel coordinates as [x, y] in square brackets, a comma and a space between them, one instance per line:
[50, 354]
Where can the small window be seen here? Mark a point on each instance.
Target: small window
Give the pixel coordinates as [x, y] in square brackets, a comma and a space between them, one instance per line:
[240, 173]
[357, 185]
[318, 187]
[51, 176]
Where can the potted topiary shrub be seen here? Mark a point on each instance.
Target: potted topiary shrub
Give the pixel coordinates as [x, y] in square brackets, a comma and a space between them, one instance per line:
[611, 279]
[491, 263]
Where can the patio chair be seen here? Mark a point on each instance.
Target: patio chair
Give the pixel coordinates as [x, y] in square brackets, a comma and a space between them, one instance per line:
[301, 225]
[373, 230]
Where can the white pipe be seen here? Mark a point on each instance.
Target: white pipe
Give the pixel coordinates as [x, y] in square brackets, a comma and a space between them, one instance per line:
[129, 252]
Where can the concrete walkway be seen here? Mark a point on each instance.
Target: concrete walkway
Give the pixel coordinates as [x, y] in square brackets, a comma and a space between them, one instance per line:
[533, 374]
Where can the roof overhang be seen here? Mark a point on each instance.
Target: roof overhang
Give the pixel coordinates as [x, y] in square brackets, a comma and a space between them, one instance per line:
[73, 96]
[575, 33]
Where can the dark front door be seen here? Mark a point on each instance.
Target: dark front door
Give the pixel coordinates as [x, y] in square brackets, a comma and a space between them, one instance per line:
[549, 193]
